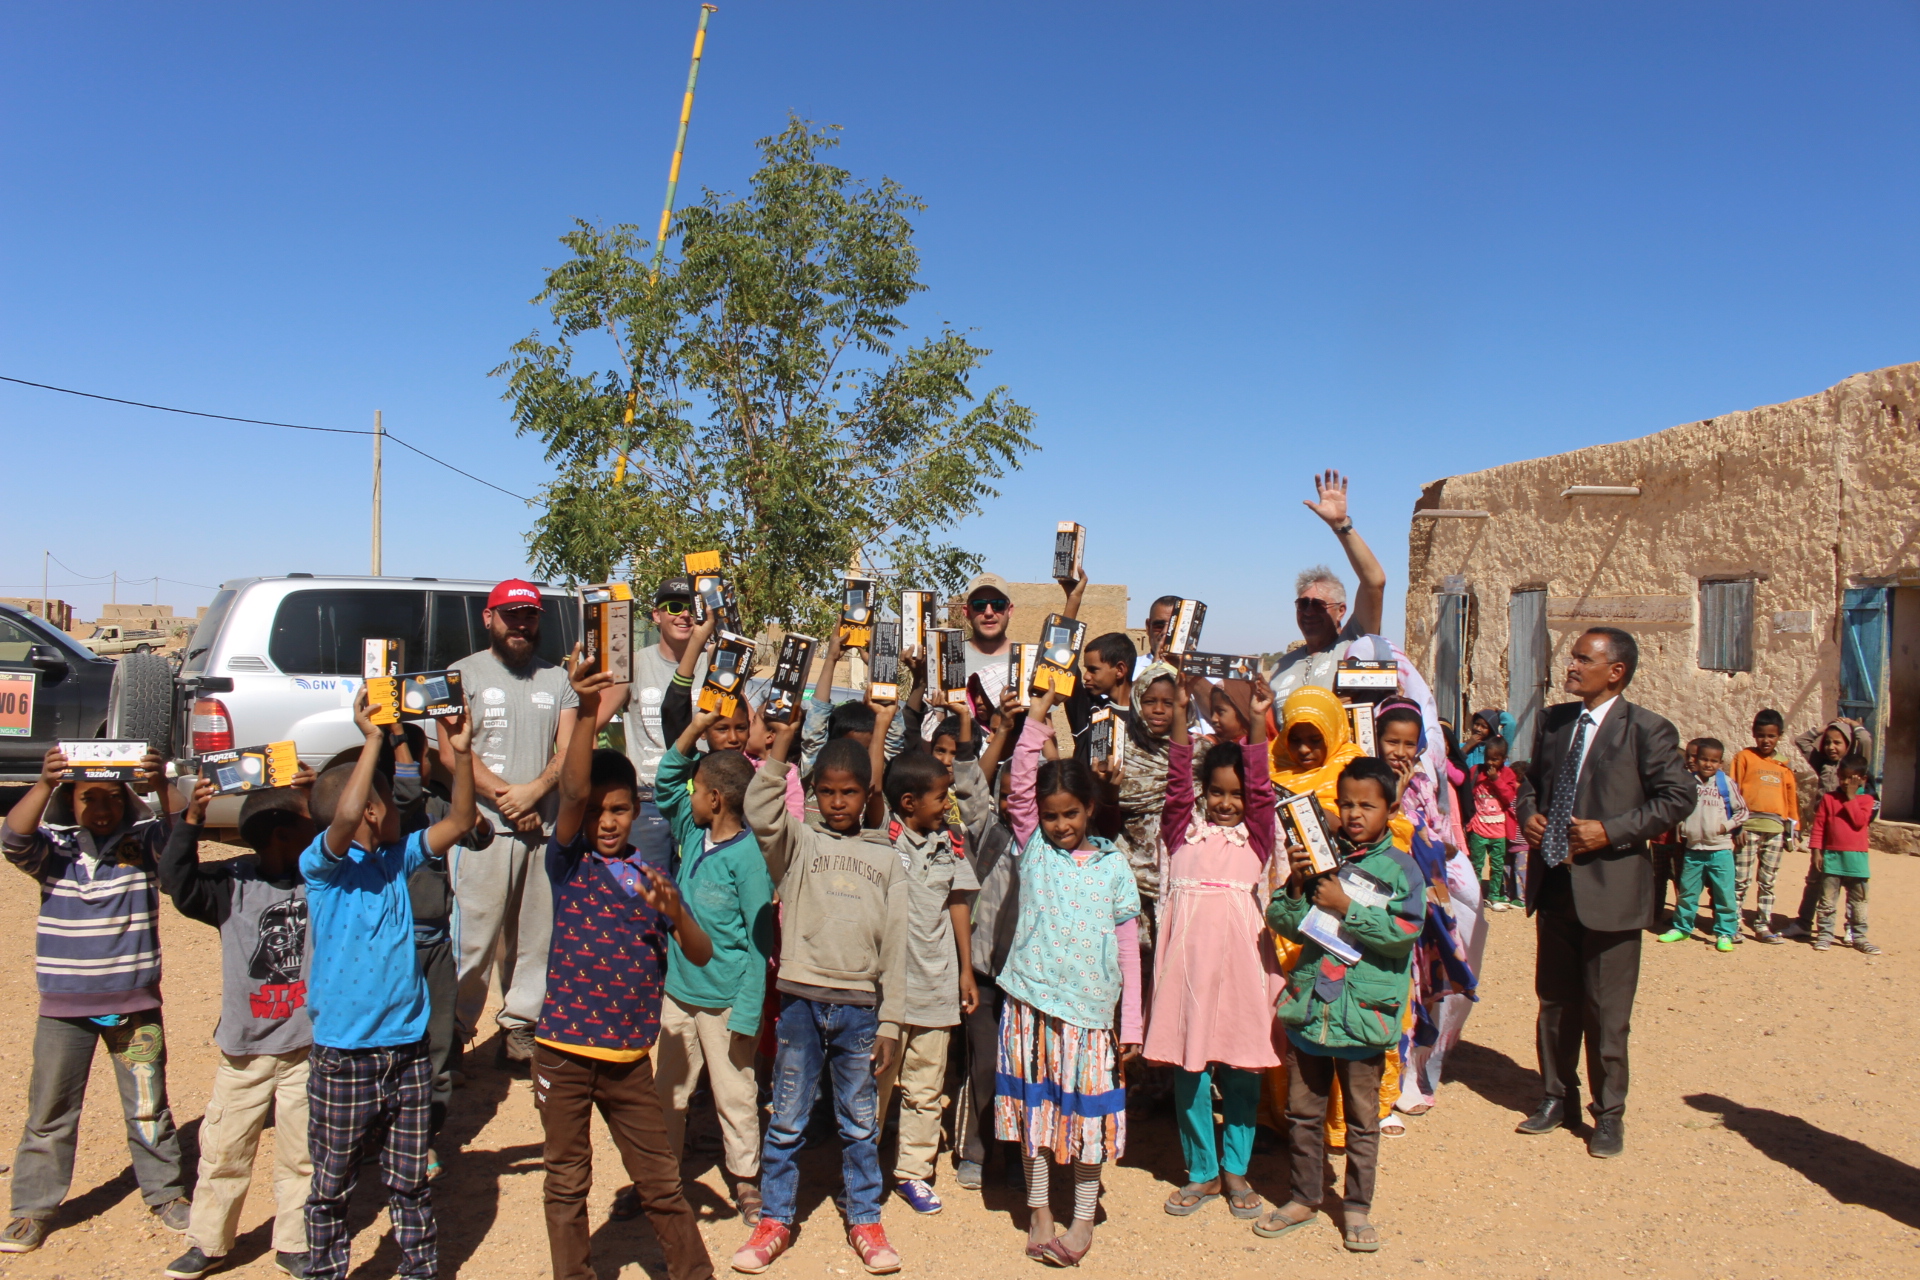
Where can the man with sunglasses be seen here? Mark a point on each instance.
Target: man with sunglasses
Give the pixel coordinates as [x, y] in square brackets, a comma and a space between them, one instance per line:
[654, 666]
[1320, 606]
[989, 611]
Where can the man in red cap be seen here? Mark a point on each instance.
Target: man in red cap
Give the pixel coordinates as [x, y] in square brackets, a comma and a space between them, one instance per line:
[523, 711]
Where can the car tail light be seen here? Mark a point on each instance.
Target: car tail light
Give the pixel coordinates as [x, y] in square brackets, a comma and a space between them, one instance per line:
[212, 726]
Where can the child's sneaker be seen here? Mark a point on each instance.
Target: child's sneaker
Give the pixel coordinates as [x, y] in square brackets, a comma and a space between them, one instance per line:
[1866, 948]
[1823, 945]
[1674, 935]
[1794, 929]
[869, 1240]
[190, 1265]
[918, 1195]
[768, 1241]
[294, 1264]
[1724, 944]
[23, 1235]
[968, 1175]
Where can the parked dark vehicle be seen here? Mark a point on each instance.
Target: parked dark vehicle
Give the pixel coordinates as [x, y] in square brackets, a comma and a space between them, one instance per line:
[74, 688]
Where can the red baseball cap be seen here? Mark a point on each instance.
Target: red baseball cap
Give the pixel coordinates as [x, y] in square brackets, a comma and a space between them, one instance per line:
[514, 593]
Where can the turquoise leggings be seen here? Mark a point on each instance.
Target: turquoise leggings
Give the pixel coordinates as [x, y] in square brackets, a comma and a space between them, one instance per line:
[1193, 1103]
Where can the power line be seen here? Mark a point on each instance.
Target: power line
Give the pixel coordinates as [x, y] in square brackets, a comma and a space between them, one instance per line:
[262, 422]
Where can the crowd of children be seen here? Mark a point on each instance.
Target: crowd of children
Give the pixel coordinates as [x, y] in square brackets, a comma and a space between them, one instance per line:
[867, 902]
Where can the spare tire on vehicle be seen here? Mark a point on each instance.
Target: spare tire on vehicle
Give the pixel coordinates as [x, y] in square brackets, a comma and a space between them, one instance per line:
[140, 703]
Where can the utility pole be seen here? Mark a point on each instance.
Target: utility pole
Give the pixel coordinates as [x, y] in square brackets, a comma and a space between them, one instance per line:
[379, 434]
[45, 615]
[666, 220]
[116, 586]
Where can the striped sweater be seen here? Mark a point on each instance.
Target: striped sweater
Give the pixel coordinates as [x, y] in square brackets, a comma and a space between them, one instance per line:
[97, 944]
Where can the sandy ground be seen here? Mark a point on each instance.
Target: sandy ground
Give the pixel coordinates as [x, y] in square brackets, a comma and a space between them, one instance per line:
[1764, 1134]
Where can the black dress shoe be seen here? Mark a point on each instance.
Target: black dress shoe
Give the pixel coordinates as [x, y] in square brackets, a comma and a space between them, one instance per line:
[1552, 1114]
[1609, 1137]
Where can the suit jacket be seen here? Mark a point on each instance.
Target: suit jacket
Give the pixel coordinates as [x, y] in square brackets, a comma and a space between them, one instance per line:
[1635, 782]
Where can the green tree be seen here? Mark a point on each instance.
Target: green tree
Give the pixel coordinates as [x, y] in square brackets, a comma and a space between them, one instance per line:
[770, 414]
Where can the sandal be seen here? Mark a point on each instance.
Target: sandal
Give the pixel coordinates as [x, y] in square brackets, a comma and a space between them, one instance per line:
[1266, 1231]
[746, 1202]
[1351, 1237]
[1054, 1253]
[1418, 1109]
[1393, 1127]
[1244, 1205]
[1175, 1203]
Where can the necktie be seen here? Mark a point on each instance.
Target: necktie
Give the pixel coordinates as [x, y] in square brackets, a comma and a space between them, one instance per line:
[1553, 846]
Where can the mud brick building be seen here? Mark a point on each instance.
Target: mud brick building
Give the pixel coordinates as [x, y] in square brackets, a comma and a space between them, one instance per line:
[1763, 558]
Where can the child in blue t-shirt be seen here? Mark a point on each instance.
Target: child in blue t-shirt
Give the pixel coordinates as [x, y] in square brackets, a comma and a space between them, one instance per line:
[371, 1070]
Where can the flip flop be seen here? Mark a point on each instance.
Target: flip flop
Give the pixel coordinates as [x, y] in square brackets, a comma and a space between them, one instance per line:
[1244, 1212]
[1184, 1210]
[1264, 1231]
[1356, 1245]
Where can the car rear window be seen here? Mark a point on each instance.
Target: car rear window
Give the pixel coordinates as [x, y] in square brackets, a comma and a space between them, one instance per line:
[319, 632]
[205, 632]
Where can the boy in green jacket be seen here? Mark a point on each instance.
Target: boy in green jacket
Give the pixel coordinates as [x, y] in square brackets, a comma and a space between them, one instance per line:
[711, 1014]
[1357, 927]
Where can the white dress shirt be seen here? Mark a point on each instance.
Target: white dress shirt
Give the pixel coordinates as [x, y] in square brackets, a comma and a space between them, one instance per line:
[1597, 715]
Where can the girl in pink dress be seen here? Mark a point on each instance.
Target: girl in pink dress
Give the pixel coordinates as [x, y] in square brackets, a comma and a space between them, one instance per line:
[1216, 977]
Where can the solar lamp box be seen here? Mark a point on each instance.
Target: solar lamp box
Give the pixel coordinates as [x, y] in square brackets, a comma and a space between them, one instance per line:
[103, 759]
[1360, 717]
[382, 658]
[1060, 641]
[1366, 678]
[917, 613]
[1218, 666]
[1305, 824]
[883, 676]
[251, 768]
[424, 695]
[1183, 629]
[699, 562]
[1021, 661]
[789, 685]
[1069, 551]
[1107, 739]
[712, 593]
[606, 628]
[857, 612]
[727, 670]
[947, 665]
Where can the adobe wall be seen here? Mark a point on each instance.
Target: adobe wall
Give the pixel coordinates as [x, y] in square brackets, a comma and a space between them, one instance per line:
[1804, 496]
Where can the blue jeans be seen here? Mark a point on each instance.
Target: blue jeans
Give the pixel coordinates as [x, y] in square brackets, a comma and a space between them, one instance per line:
[838, 1038]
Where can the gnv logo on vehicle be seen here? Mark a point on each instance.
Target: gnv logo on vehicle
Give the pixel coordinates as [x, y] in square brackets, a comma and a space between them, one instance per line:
[337, 684]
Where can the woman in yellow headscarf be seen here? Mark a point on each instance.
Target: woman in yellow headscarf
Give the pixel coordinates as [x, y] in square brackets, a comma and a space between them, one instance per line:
[1312, 743]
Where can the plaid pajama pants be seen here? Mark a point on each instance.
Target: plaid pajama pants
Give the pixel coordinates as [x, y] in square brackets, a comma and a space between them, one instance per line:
[1760, 850]
[361, 1100]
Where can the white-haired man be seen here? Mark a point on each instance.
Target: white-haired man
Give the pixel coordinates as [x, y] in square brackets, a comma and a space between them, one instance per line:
[1320, 599]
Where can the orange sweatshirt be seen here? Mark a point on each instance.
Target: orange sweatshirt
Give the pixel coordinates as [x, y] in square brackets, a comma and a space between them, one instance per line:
[1768, 785]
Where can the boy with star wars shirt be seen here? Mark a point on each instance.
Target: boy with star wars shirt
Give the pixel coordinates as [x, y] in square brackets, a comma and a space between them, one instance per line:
[259, 905]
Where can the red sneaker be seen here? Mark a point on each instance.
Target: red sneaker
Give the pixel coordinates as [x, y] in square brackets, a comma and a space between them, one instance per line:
[768, 1241]
[869, 1240]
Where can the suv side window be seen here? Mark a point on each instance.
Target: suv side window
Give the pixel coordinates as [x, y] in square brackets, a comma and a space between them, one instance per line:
[453, 636]
[15, 640]
[319, 632]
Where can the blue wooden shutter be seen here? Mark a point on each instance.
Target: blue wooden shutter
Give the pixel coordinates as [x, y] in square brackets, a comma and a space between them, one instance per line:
[1863, 665]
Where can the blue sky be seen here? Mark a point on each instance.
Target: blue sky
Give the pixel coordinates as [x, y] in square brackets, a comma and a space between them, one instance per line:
[1214, 249]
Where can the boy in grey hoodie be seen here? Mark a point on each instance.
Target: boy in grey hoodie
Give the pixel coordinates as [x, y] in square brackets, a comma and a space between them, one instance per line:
[842, 954]
[1707, 833]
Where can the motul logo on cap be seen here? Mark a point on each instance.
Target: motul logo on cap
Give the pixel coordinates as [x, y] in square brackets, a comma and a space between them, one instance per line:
[514, 594]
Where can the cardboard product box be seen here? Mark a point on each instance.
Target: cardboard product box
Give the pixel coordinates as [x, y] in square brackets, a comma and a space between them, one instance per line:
[1069, 552]
[251, 768]
[424, 695]
[1366, 679]
[1218, 666]
[1022, 659]
[1183, 629]
[857, 612]
[727, 670]
[699, 562]
[1304, 822]
[1107, 740]
[918, 611]
[883, 677]
[382, 658]
[790, 671]
[103, 759]
[606, 628]
[712, 593]
[1060, 641]
[946, 666]
[1360, 717]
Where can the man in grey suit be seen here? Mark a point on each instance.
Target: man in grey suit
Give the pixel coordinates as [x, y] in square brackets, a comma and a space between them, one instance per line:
[1605, 775]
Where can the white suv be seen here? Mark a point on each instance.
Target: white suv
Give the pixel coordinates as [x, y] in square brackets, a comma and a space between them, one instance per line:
[278, 659]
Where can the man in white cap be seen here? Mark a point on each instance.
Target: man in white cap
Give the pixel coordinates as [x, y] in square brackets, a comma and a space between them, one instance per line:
[989, 611]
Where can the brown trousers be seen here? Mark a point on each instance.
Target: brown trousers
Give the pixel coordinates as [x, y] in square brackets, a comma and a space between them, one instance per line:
[1310, 1079]
[567, 1088]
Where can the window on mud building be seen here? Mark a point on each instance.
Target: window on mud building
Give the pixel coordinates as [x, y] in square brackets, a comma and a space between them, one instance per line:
[1726, 625]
